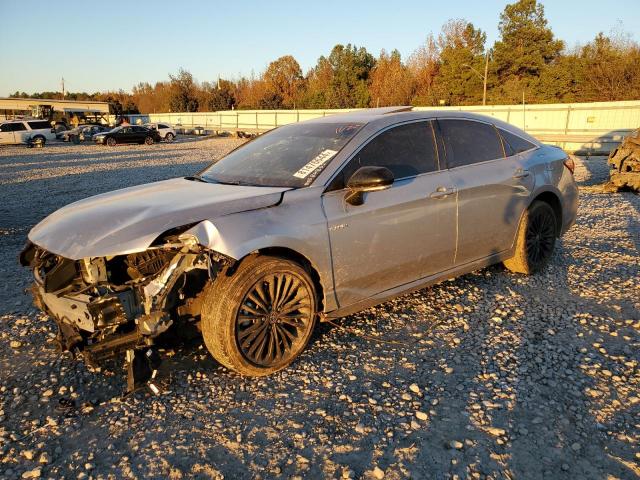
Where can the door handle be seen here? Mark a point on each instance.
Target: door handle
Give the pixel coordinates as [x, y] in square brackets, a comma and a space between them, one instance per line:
[520, 173]
[442, 192]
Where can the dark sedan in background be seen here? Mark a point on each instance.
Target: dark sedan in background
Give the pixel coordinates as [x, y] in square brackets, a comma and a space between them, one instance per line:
[127, 134]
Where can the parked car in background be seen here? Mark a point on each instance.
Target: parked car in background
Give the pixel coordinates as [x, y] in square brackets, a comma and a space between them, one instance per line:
[13, 132]
[83, 132]
[308, 222]
[166, 131]
[127, 134]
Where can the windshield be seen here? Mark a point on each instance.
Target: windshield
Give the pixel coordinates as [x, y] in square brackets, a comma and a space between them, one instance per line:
[289, 156]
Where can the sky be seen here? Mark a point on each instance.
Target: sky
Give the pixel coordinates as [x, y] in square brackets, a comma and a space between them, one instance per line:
[98, 46]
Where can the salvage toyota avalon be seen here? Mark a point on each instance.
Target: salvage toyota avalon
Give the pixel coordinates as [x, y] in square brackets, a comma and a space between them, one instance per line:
[308, 222]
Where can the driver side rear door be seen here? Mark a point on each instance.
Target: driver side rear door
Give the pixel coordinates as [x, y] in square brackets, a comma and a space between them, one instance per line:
[400, 234]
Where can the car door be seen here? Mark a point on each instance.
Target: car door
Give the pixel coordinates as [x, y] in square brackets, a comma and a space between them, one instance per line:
[141, 133]
[6, 134]
[125, 135]
[493, 189]
[397, 235]
[20, 132]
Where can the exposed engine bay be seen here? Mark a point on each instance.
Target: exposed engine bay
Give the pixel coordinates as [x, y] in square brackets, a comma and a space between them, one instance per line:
[107, 306]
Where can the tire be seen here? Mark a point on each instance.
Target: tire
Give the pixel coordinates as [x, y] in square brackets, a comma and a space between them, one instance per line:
[535, 240]
[238, 326]
[39, 140]
[149, 141]
[111, 142]
[169, 137]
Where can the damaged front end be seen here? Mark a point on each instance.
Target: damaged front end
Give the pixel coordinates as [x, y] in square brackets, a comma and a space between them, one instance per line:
[106, 306]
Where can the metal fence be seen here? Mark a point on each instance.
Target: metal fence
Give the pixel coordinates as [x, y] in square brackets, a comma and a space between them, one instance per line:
[580, 127]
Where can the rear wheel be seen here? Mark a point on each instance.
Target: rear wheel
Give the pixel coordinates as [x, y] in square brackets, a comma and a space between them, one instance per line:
[148, 140]
[535, 241]
[258, 320]
[169, 137]
[111, 142]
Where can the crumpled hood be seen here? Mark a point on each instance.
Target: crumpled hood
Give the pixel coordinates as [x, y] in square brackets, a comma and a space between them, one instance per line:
[128, 220]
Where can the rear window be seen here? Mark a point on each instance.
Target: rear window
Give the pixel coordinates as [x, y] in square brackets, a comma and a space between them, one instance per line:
[160, 125]
[514, 144]
[40, 125]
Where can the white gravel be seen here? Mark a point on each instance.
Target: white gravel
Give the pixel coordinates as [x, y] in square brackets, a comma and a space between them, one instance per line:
[499, 376]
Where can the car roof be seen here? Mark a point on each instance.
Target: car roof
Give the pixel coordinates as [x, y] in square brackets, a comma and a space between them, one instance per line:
[386, 116]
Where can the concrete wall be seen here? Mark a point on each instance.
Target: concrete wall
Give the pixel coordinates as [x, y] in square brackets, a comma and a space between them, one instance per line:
[583, 127]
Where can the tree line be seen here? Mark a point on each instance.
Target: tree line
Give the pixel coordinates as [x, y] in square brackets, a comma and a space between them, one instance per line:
[448, 69]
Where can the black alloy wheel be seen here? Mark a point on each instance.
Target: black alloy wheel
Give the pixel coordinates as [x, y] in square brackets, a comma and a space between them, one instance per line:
[540, 237]
[274, 319]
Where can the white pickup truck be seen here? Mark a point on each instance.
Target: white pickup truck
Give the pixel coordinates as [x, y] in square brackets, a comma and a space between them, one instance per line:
[21, 131]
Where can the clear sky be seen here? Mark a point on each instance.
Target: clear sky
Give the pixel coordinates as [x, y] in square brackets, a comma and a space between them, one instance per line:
[116, 44]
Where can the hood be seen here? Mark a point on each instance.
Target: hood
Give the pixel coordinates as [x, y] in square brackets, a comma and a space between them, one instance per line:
[129, 220]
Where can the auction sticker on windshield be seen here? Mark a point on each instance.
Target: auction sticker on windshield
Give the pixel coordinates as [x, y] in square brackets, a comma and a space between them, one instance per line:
[320, 159]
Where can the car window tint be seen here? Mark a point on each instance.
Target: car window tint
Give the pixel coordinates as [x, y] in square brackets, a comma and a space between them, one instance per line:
[162, 126]
[515, 144]
[5, 128]
[39, 125]
[406, 150]
[18, 127]
[468, 142]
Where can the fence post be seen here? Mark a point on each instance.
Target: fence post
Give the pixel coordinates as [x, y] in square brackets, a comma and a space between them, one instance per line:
[566, 123]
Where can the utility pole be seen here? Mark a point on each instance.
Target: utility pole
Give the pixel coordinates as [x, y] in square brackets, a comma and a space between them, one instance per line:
[524, 114]
[483, 77]
[62, 88]
[486, 74]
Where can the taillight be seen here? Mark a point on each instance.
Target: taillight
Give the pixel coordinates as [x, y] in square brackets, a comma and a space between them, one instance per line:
[570, 164]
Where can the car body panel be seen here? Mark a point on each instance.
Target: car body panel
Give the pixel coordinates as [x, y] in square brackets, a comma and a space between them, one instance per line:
[397, 235]
[490, 202]
[138, 215]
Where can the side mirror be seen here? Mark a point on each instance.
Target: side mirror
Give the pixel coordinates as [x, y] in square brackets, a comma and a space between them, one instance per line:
[367, 179]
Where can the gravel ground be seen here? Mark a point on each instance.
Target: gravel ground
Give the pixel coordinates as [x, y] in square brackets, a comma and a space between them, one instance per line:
[492, 375]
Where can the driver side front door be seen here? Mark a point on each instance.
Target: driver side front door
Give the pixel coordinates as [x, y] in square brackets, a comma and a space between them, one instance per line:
[398, 235]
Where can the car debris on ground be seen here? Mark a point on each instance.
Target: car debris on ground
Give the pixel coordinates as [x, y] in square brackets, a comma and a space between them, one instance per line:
[624, 162]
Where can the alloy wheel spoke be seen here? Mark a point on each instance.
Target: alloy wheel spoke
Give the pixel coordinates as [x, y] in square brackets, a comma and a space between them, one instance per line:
[273, 318]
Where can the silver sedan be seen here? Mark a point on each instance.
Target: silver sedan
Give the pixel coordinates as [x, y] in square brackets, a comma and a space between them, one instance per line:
[308, 222]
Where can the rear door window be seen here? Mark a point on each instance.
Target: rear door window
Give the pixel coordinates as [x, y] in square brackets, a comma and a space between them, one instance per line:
[40, 125]
[514, 144]
[18, 127]
[468, 142]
